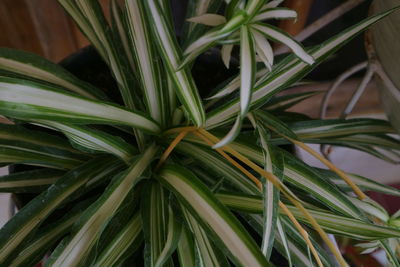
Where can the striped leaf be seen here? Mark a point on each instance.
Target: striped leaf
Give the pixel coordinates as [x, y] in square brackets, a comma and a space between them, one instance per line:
[22, 134]
[173, 237]
[29, 218]
[125, 241]
[363, 182]
[88, 15]
[94, 140]
[247, 69]
[304, 177]
[339, 128]
[275, 13]
[155, 217]
[336, 224]
[210, 38]
[219, 221]
[264, 49]
[35, 67]
[186, 248]
[28, 100]
[293, 71]
[278, 35]
[273, 163]
[192, 31]
[207, 252]
[273, 123]
[47, 236]
[283, 238]
[87, 231]
[218, 165]
[25, 153]
[147, 68]
[232, 134]
[234, 85]
[167, 46]
[121, 32]
[29, 181]
[299, 252]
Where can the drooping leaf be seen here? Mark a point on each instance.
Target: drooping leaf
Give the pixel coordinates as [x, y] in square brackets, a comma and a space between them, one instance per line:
[89, 227]
[293, 71]
[29, 218]
[215, 216]
[29, 100]
[35, 67]
[29, 181]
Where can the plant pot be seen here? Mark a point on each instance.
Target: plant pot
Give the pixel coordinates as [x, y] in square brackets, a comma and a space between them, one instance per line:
[383, 46]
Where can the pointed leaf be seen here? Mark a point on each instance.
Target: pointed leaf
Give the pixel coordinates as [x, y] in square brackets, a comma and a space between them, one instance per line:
[218, 219]
[28, 100]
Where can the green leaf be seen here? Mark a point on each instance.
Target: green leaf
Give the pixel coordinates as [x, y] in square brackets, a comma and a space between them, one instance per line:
[247, 69]
[292, 70]
[207, 252]
[95, 140]
[33, 66]
[315, 129]
[21, 145]
[47, 236]
[273, 163]
[210, 38]
[173, 237]
[28, 100]
[232, 134]
[29, 181]
[218, 165]
[363, 182]
[276, 13]
[192, 31]
[26, 221]
[186, 249]
[129, 236]
[273, 123]
[88, 229]
[147, 68]
[22, 134]
[90, 19]
[336, 224]
[305, 178]
[168, 47]
[155, 217]
[219, 221]
[276, 34]
[299, 251]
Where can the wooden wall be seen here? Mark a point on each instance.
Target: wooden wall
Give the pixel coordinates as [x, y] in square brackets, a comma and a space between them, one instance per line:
[41, 27]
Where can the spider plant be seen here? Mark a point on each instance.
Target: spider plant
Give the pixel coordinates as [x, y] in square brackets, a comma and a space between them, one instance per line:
[168, 178]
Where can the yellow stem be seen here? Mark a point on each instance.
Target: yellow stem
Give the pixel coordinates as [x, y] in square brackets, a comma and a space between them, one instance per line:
[331, 166]
[302, 232]
[231, 160]
[179, 130]
[171, 147]
[275, 181]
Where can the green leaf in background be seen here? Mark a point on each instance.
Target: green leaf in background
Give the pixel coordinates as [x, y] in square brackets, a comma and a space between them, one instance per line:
[36, 67]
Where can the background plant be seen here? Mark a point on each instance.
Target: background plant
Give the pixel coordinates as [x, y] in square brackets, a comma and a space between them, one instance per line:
[168, 177]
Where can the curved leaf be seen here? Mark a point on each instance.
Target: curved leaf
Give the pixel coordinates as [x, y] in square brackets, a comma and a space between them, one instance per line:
[29, 100]
[215, 216]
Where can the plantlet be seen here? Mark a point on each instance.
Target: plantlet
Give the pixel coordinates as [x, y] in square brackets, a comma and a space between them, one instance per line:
[166, 177]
